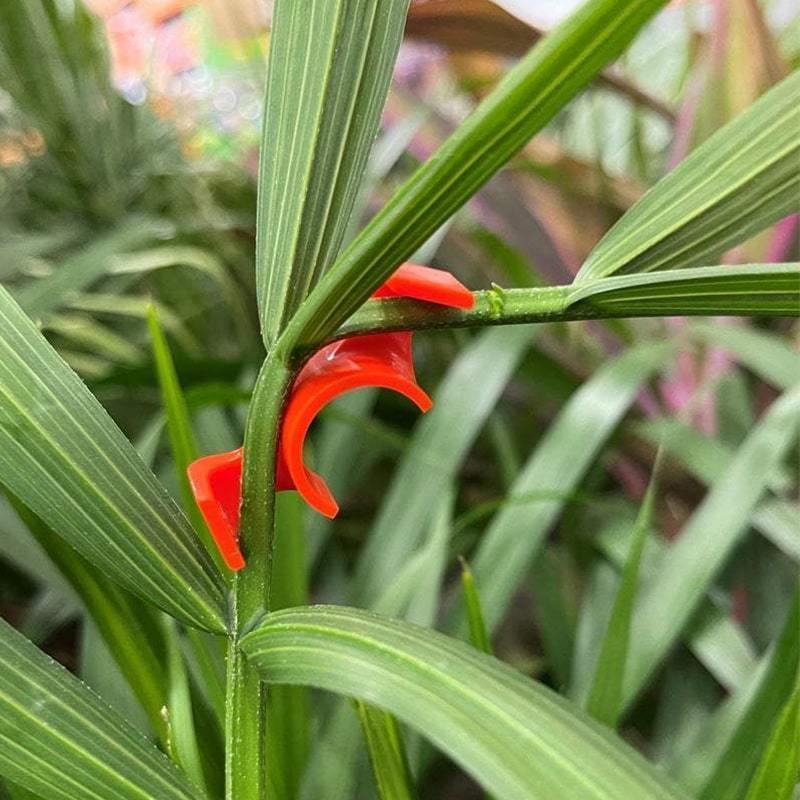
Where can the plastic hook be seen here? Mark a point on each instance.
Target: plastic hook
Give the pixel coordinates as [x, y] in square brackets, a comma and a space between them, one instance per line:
[382, 360]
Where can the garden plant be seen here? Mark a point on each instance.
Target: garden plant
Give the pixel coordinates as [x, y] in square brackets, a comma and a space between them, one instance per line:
[646, 680]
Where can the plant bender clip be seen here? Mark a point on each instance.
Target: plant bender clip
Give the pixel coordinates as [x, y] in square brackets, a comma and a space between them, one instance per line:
[382, 360]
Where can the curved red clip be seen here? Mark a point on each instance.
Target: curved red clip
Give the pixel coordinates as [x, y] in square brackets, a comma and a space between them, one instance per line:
[381, 360]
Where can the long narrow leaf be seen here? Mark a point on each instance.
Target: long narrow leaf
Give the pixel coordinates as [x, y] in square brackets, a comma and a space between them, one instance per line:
[778, 772]
[179, 428]
[64, 458]
[605, 696]
[747, 289]
[441, 440]
[329, 68]
[478, 635]
[555, 70]
[557, 465]
[743, 178]
[58, 739]
[130, 628]
[733, 769]
[518, 739]
[691, 564]
[387, 753]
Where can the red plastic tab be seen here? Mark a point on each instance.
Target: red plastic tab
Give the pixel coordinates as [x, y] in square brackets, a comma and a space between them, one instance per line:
[382, 360]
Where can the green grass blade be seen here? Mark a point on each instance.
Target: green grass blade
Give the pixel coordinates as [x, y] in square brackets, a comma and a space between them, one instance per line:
[178, 713]
[554, 612]
[747, 289]
[779, 769]
[329, 69]
[288, 707]
[206, 651]
[605, 695]
[58, 739]
[734, 768]
[719, 643]
[130, 628]
[691, 564]
[82, 269]
[441, 440]
[179, 429]
[65, 459]
[557, 465]
[529, 96]
[478, 635]
[742, 179]
[517, 738]
[387, 753]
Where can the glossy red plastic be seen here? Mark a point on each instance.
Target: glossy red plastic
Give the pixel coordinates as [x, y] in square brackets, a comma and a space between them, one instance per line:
[382, 360]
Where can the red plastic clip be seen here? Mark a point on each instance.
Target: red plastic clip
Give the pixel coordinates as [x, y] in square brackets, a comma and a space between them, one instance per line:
[381, 360]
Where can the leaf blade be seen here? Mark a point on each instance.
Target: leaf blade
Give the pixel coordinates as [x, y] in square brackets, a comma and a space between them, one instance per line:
[329, 69]
[387, 753]
[61, 741]
[516, 737]
[529, 96]
[556, 465]
[605, 696]
[735, 184]
[63, 456]
[692, 562]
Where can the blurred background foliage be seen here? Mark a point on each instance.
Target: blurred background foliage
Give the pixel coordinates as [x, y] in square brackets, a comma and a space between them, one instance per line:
[128, 148]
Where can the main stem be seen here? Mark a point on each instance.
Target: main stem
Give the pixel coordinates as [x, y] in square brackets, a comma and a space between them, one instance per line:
[245, 703]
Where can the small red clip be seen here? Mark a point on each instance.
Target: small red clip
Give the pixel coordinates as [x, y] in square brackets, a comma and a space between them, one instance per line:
[382, 360]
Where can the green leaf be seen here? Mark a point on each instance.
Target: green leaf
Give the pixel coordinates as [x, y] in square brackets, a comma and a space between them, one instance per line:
[387, 753]
[65, 459]
[554, 612]
[329, 69]
[129, 627]
[605, 696]
[178, 713]
[742, 179]
[558, 464]
[478, 635]
[58, 739]
[515, 737]
[778, 772]
[441, 439]
[288, 707]
[529, 96]
[691, 564]
[735, 765]
[82, 269]
[179, 429]
[747, 289]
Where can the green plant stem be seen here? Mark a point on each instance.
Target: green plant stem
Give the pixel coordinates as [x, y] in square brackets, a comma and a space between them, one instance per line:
[245, 728]
[719, 291]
